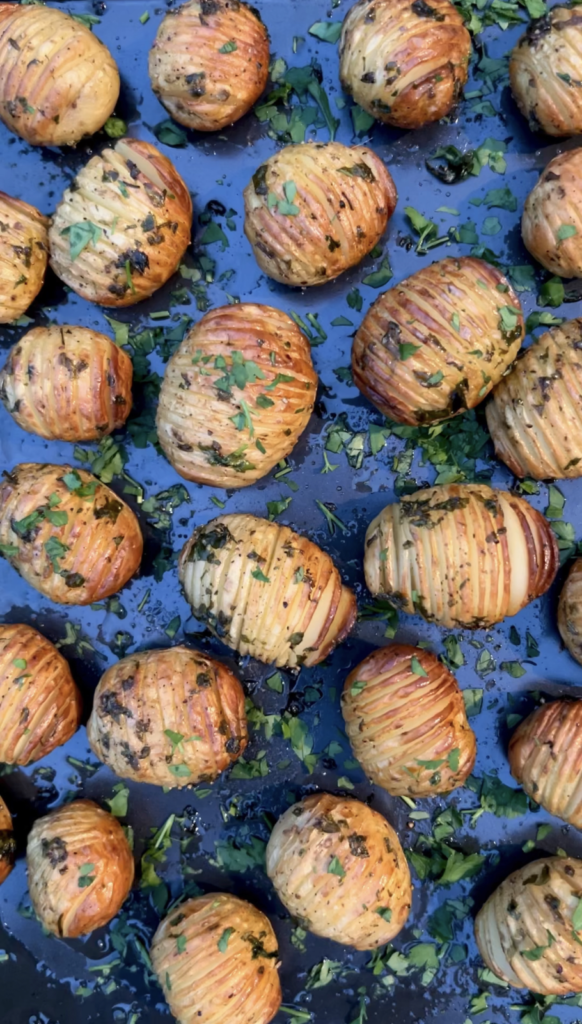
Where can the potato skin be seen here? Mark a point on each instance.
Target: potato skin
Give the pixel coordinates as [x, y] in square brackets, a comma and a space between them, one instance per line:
[555, 203]
[197, 407]
[102, 536]
[294, 617]
[460, 554]
[535, 902]
[344, 199]
[61, 847]
[23, 255]
[398, 720]
[452, 369]
[201, 85]
[544, 757]
[7, 842]
[144, 696]
[570, 611]
[67, 383]
[545, 69]
[312, 835]
[405, 63]
[58, 82]
[141, 212]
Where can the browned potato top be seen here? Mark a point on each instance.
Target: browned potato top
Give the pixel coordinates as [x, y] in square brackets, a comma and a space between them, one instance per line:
[545, 70]
[551, 224]
[545, 757]
[7, 842]
[570, 611]
[23, 255]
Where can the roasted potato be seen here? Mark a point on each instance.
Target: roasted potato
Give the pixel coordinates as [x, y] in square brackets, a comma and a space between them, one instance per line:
[551, 224]
[7, 842]
[67, 534]
[437, 343]
[338, 866]
[570, 611]
[67, 383]
[460, 554]
[216, 959]
[316, 209]
[265, 590]
[80, 868]
[121, 229]
[545, 72]
[58, 82]
[209, 62]
[236, 395]
[544, 757]
[406, 721]
[405, 63]
[23, 255]
[525, 932]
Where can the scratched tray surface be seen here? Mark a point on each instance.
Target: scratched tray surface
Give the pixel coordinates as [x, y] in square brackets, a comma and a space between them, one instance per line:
[216, 837]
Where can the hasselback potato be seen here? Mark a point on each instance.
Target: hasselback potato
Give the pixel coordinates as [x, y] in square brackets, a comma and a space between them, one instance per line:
[525, 932]
[265, 590]
[544, 757]
[236, 395]
[40, 706]
[551, 224]
[437, 343]
[406, 721]
[216, 959]
[313, 210]
[545, 70]
[338, 866]
[570, 611]
[405, 63]
[66, 533]
[209, 62]
[460, 554]
[58, 82]
[80, 868]
[23, 255]
[7, 842]
[121, 229]
[67, 383]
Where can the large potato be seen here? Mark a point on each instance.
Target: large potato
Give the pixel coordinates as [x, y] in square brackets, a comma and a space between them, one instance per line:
[67, 534]
[265, 590]
[7, 842]
[544, 757]
[236, 395]
[121, 229]
[405, 63]
[551, 224]
[545, 71]
[460, 555]
[437, 343]
[338, 866]
[313, 210]
[58, 82]
[23, 255]
[209, 62]
[217, 960]
[570, 611]
[67, 383]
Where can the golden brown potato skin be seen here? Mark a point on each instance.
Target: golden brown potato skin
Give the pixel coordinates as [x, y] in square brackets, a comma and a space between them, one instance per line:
[544, 757]
[570, 611]
[555, 204]
[405, 63]
[67, 383]
[90, 556]
[545, 69]
[295, 616]
[343, 201]
[23, 255]
[460, 554]
[451, 313]
[322, 831]
[76, 844]
[398, 720]
[533, 909]
[141, 212]
[199, 83]
[146, 696]
[199, 400]
[7, 842]
[58, 82]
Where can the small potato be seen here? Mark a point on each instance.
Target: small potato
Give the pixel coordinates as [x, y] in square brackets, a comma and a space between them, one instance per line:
[23, 255]
[216, 958]
[170, 717]
[551, 224]
[405, 63]
[461, 555]
[40, 706]
[406, 721]
[316, 209]
[80, 868]
[67, 383]
[544, 757]
[121, 229]
[67, 534]
[338, 866]
[437, 343]
[570, 611]
[265, 590]
[7, 842]
[209, 62]
[525, 930]
[236, 395]
[545, 71]
[58, 82]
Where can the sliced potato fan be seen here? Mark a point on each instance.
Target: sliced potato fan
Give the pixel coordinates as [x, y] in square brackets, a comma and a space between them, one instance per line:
[545, 757]
[545, 70]
[7, 842]
[570, 611]
[551, 224]
[23, 255]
